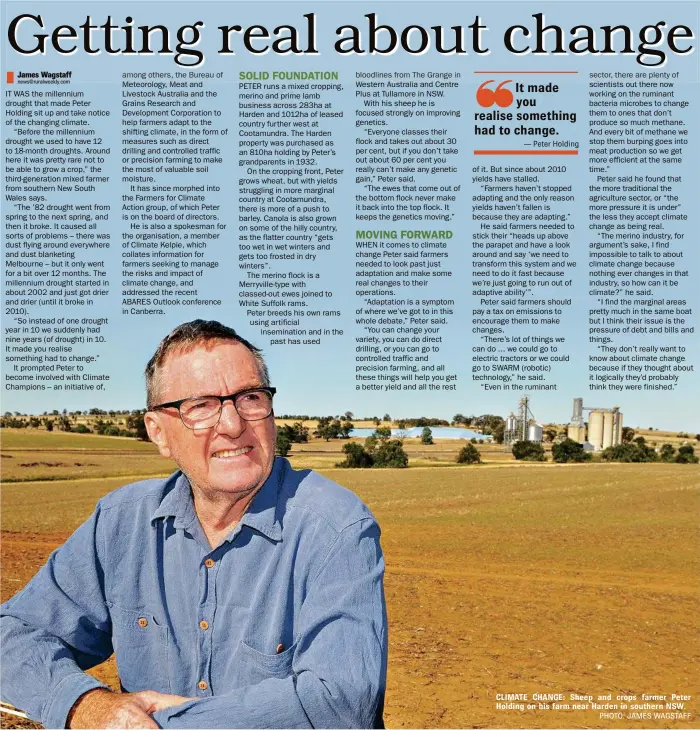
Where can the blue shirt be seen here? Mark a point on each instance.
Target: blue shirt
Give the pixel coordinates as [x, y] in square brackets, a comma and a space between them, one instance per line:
[282, 625]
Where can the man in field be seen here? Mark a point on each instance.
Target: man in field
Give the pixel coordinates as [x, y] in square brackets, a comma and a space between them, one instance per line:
[235, 593]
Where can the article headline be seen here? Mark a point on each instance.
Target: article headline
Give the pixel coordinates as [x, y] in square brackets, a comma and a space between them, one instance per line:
[28, 35]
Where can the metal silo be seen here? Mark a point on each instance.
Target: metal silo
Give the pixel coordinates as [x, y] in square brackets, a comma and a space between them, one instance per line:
[617, 433]
[534, 432]
[595, 429]
[608, 429]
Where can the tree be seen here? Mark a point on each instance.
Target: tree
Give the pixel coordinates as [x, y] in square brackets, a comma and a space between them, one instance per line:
[686, 455]
[356, 457]
[498, 432]
[296, 433]
[371, 443]
[390, 455]
[345, 428]
[328, 428]
[458, 419]
[427, 436]
[64, 424]
[283, 444]
[48, 424]
[135, 422]
[629, 452]
[640, 441]
[82, 428]
[569, 451]
[667, 453]
[487, 423]
[348, 415]
[377, 422]
[299, 433]
[382, 433]
[528, 451]
[402, 425]
[627, 434]
[469, 454]
[387, 418]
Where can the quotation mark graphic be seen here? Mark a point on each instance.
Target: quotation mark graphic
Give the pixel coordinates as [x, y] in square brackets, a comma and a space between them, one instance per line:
[499, 95]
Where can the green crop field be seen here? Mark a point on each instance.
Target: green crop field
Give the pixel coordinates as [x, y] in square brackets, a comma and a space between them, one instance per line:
[501, 578]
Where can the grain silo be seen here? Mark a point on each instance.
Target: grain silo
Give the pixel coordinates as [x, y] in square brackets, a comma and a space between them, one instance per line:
[595, 429]
[608, 429]
[534, 432]
[521, 425]
[576, 432]
[617, 439]
[604, 426]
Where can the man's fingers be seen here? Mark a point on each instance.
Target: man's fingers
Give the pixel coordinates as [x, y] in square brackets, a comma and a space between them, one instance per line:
[104, 709]
[152, 701]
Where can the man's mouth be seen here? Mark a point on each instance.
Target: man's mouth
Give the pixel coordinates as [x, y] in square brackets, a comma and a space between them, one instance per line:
[228, 453]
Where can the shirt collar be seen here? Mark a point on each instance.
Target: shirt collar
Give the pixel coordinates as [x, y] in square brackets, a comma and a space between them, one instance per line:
[261, 515]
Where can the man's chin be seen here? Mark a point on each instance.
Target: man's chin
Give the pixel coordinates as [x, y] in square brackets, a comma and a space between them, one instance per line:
[237, 474]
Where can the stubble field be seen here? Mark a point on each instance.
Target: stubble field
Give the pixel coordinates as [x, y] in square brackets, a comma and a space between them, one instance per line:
[501, 578]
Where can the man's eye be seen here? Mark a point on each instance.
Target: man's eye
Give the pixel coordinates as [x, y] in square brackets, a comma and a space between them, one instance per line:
[199, 405]
[251, 397]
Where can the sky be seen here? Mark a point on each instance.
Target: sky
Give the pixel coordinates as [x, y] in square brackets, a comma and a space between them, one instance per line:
[321, 378]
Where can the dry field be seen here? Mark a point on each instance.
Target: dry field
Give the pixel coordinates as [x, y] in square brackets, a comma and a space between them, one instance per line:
[501, 578]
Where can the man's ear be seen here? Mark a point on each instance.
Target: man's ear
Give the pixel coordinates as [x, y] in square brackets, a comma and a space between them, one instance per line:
[156, 432]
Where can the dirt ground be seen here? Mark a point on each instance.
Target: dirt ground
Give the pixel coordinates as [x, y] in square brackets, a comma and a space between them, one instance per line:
[546, 579]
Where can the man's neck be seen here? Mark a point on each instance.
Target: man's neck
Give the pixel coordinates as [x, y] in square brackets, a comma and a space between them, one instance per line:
[220, 513]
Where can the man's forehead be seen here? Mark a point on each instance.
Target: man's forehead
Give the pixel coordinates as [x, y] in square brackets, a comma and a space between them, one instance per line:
[209, 357]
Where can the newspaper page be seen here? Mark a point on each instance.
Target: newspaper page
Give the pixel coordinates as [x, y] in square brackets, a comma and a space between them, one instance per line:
[464, 236]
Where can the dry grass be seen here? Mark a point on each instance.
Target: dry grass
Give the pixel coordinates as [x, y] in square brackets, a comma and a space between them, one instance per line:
[500, 578]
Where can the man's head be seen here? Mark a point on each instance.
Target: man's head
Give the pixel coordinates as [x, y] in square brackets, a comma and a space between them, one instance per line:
[201, 358]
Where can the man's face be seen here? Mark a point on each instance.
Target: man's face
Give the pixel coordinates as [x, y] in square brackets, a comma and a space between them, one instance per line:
[233, 457]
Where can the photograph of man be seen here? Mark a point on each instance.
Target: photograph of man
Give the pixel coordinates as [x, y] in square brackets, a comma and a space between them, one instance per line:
[236, 593]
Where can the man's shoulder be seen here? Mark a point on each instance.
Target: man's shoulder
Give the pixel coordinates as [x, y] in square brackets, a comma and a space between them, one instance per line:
[322, 498]
[146, 494]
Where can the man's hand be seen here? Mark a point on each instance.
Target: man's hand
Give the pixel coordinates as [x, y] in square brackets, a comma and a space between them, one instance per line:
[101, 708]
[153, 701]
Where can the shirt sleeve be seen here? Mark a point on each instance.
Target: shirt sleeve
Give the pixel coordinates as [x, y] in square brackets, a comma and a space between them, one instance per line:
[339, 666]
[53, 629]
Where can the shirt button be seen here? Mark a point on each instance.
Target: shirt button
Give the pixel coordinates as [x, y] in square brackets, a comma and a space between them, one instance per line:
[204, 625]
[280, 648]
[143, 622]
[209, 563]
[202, 684]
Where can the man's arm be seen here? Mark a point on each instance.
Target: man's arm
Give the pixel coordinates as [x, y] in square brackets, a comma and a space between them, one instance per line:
[55, 628]
[339, 665]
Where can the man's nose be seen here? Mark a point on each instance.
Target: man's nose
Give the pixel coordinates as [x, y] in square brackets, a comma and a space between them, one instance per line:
[230, 423]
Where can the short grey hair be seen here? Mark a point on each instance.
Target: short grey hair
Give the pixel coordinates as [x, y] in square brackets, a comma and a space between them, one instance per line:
[187, 336]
